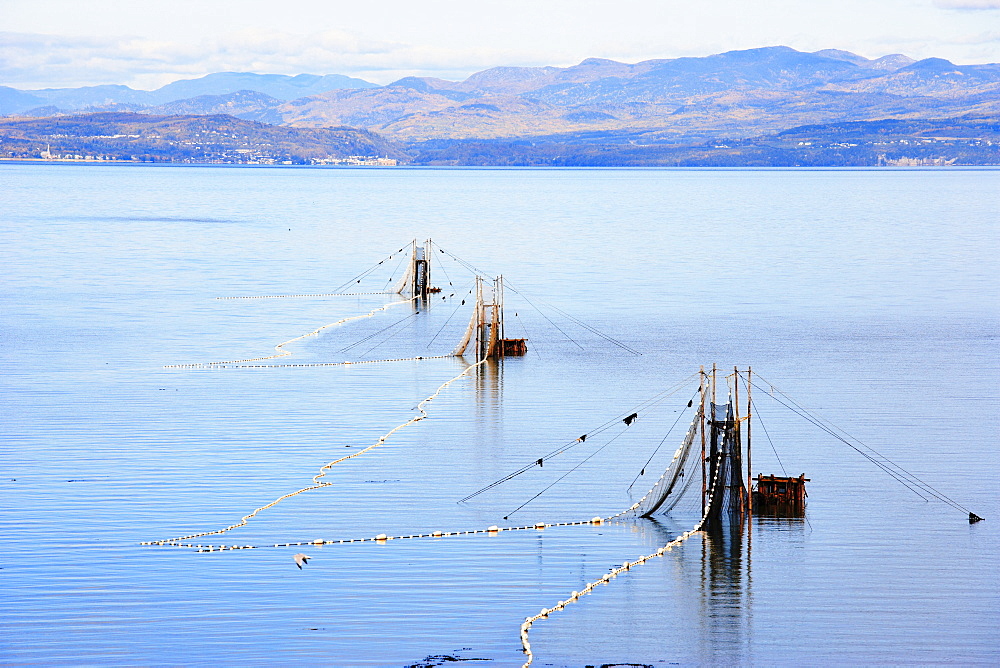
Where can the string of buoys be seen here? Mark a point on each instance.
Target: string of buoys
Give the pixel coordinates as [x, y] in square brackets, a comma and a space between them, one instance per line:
[380, 538]
[238, 365]
[604, 579]
[324, 294]
[615, 572]
[284, 353]
[323, 471]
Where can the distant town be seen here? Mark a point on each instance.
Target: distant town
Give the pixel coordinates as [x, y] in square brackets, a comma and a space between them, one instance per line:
[241, 157]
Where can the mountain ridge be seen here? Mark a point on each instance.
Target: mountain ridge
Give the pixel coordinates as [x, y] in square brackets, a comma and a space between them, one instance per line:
[685, 101]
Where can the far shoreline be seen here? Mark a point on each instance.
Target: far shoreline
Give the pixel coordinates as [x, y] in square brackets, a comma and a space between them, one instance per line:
[716, 168]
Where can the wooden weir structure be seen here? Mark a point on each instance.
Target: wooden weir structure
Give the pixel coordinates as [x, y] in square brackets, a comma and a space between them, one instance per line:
[723, 435]
[485, 332]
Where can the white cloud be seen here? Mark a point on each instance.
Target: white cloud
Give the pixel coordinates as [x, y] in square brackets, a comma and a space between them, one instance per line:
[34, 61]
[973, 5]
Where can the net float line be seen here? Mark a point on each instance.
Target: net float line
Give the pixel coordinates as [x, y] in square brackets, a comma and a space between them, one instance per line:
[226, 365]
[323, 294]
[381, 538]
[280, 347]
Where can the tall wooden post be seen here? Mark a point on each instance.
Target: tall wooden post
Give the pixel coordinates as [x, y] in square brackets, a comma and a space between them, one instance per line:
[701, 391]
[738, 429]
[749, 460]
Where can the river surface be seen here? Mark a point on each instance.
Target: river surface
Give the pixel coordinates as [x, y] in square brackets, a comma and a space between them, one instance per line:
[868, 296]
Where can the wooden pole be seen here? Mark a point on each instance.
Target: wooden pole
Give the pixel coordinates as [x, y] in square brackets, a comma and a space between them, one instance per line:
[736, 426]
[701, 390]
[749, 460]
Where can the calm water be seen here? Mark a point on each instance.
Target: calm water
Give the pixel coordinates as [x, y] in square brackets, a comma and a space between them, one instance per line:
[868, 296]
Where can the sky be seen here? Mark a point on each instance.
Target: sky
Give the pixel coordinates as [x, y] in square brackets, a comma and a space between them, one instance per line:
[149, 43]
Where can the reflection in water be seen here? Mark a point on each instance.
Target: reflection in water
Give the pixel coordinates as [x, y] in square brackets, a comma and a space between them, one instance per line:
[726, 595]
[719, 577]
[489, 388]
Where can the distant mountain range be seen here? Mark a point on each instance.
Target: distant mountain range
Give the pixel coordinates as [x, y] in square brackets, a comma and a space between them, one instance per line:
[279, 86]
[727, 98]
[735, 94]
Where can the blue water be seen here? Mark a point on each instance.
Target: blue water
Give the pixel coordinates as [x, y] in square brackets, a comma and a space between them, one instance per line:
[868, 296]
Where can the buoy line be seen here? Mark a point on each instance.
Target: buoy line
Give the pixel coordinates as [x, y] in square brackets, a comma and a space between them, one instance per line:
[604, 579]
[380, 538]
[323, 294]
[323, 471]
[614, 572]
[237, 365]
[280, 346]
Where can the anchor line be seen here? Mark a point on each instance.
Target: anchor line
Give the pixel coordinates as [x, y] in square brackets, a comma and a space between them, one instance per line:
[753, 405]
[433, 338]
[381, 331]
[563, 476]
[895, 471]
[641, 407]
[326, 468]
[392, 276]
[369, 270]
[566, 315]
[576, 320]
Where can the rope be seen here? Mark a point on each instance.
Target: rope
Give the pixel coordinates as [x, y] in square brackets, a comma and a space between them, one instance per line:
[323, 294]
[663, 440]
[642, 406]
[579, 322]
[541, 313]
[280, 346]
[753, 405]
[376, 333]
[433, 338]
[392, 276]
[904, 477]
[563, 476]
[526, 336]
[369, 270]
[323, 471]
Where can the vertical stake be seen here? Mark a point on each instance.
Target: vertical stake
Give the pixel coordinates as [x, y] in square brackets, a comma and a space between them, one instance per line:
[701, 390]
[739, 431]
[749, 460]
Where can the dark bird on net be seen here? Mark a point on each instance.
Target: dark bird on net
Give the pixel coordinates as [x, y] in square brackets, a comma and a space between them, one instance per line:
[630, 419]
[301, 559]
[690, 401]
